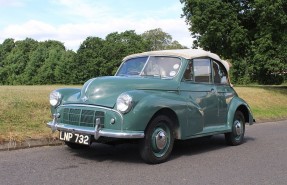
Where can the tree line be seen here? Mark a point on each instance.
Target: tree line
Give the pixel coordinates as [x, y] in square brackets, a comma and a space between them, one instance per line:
[251, 34]
[29, 62]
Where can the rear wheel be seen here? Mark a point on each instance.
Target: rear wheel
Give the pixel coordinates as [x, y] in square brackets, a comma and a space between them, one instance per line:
[238, 129]
[158, 141]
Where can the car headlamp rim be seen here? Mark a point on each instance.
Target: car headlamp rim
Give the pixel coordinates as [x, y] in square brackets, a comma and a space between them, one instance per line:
[55, 98]
[124, 103]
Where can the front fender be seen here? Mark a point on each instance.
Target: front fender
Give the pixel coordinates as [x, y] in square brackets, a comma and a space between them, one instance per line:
[147, 104]
[239, 104]
[68, 94]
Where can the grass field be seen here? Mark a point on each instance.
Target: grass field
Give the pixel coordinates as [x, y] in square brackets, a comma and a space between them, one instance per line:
[267, 103]
[25, 110]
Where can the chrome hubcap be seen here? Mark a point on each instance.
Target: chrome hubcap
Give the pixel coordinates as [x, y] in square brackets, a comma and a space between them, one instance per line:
[238, 127]
[160, 139]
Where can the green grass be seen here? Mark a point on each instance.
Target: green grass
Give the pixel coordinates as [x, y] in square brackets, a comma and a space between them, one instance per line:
[268, 103]
[25, 110]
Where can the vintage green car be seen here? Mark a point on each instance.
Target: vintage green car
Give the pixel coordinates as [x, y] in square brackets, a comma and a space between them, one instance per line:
[154, 98]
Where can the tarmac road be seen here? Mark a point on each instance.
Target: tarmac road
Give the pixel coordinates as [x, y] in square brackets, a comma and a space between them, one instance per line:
[262, 159]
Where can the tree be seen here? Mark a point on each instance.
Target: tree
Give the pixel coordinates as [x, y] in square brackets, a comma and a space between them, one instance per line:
[16, 60]
[65, 70]
[119, 45]
[42, 63]
[175, 45]
[48, 62]
[160, 40]
[269, 46]
[46, 73]
[89, 59]
[5, 48]
[251, 33]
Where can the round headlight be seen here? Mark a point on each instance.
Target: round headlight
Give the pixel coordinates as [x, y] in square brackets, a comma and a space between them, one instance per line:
[124, 103]
[55, 98]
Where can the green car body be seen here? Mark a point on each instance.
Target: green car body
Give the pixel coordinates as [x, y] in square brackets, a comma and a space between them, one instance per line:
[154, 109]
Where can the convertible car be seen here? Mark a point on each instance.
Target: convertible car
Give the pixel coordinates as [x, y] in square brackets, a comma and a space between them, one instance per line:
[154, 99]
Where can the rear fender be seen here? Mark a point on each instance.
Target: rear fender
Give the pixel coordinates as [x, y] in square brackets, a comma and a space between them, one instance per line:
[238, 104]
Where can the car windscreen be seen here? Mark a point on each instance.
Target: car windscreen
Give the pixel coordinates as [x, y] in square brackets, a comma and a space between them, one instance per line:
[155, 66]
[132, 66]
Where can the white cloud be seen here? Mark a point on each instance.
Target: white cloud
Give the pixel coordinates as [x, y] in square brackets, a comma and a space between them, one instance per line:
[74, 34]
[13, 3]
[90, 18]
[84, 10]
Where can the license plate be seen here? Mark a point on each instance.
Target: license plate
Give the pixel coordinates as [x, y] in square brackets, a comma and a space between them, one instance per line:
[75, 138]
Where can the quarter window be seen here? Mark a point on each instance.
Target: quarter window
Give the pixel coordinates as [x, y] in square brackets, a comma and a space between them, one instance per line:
[219, 73]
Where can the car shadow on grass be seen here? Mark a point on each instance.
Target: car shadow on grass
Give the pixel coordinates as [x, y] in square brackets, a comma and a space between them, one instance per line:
[129, 153]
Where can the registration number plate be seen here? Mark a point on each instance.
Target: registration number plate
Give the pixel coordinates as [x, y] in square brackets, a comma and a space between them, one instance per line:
[75, 138]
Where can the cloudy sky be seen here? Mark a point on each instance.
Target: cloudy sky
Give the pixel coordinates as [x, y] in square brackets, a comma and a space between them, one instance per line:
[72, 21]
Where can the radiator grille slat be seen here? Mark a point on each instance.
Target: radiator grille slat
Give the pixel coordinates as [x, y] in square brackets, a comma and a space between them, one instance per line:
[82, 117]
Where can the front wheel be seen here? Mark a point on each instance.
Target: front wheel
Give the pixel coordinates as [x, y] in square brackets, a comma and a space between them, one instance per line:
[238, 129]
[158, 141]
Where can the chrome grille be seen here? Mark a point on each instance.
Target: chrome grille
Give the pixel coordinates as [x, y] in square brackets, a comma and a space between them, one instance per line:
[82, 117]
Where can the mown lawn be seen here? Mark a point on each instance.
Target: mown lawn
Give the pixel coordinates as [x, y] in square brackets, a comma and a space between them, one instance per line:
[25, 110]
[267, 103]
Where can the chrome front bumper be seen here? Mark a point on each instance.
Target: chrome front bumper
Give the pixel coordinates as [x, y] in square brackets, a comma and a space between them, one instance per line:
[97, 132]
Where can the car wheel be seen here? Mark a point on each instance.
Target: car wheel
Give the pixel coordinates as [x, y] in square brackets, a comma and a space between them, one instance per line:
[76, 146]
[238, 129]
[158, 141]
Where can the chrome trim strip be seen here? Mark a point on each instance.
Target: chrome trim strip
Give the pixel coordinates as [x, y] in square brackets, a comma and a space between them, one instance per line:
[97, 132]
[144, 65]
[88, 86]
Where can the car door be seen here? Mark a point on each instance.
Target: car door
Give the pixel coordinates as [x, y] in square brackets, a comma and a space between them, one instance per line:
[198, 89]
[204, 91]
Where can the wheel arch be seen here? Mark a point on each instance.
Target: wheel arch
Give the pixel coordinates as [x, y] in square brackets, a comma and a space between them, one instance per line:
[237, 104]
[245, 112]
[171, 115]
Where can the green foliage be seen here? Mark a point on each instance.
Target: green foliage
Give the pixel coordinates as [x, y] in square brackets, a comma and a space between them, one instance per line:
[88, 59]
[31, 62]
[119, 45]
[64, 71]
[159, 40]
[250, 32]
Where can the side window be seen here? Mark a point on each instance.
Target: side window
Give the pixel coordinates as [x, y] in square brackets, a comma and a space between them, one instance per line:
[202, 70]
[188, 74]
[219, 73]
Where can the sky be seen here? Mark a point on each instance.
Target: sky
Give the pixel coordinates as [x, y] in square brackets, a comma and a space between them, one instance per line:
[72, 21]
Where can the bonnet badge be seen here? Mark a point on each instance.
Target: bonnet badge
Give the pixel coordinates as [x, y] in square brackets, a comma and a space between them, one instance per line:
[85, 98]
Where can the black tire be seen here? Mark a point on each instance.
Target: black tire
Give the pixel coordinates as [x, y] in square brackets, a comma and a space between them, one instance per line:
[236, 137]
[75, 145]
[157, 144]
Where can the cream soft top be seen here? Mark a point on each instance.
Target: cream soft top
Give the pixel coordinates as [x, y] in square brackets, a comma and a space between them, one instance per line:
[185, 53]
